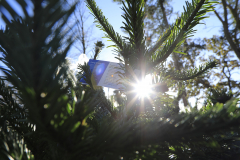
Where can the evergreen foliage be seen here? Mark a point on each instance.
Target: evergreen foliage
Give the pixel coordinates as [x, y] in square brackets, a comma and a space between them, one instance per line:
[45, 116]
[158, 14]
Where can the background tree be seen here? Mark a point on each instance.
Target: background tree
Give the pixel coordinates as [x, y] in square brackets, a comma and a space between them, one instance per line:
[79, 24]
[228, 66]
[230, 20]
[81, 29]
[224, 48]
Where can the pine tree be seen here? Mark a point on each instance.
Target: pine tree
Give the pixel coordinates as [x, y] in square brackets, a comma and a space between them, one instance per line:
[57, 120]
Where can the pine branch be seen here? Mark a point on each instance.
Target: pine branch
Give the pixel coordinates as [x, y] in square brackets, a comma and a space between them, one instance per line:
[182, 28]
[134, 24]
[13, 147]
[116, 139]
[13, 114]
[187, 75]
[39, 41]
[159, 43]
[104, 25]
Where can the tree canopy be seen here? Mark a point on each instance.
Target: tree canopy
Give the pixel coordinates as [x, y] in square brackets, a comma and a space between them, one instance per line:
[45, 114]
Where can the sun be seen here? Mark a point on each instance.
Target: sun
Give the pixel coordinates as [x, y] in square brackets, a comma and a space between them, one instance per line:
[143, 88]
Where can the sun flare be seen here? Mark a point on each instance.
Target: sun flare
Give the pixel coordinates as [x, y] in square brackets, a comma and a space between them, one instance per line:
[143, 89]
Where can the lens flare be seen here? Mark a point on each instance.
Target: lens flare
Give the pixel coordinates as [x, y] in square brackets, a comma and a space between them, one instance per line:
[143, 89]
